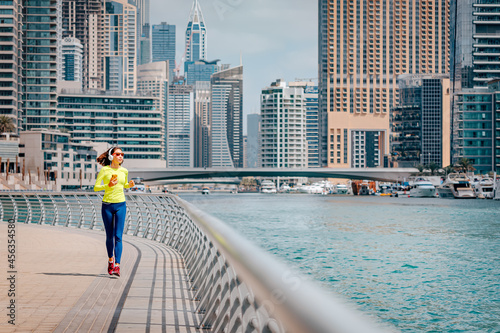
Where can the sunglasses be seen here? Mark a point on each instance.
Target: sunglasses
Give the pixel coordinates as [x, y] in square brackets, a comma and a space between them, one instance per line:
[119, 154]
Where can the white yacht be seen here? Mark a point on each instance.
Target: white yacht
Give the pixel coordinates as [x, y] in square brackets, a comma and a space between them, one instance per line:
[341, 189]
[323, 187]
[457, 186]
[267, 186]
[484, 188]
[422, 188]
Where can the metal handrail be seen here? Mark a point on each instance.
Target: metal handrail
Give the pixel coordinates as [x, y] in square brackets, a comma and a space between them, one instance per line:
[238, 287]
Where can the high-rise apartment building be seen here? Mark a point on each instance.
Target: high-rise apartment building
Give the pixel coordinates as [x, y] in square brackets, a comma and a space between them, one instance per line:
[118, 46]
[145, 46]
[11, 61]
[163, 43]
[363, 46]
[486, 45]
[72, 60]
[131, 122]
[80, 19]
[474, 133]
[152, 79]
[421, 122]
[202, 94]
[283, 127]
[226, 118]
[461, 31]
[42, 34]
[196, 35]
[312, 122]
[475, 35]
[253, 140]
[180, 125]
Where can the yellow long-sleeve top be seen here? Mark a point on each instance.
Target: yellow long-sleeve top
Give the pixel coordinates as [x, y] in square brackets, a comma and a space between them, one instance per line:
[112, 194]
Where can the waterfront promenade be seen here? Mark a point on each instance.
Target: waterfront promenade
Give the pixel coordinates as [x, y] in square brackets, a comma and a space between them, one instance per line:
[62, 284]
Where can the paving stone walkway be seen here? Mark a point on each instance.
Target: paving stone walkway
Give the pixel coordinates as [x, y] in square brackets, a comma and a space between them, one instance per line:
[62, 284]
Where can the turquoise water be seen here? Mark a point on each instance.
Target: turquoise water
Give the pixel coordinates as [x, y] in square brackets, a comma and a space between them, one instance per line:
[420, 265]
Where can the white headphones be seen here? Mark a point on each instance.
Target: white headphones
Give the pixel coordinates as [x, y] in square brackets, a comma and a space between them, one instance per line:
[110, 156]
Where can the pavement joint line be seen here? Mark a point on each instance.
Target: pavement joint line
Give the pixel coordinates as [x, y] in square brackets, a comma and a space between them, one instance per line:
[163, 273]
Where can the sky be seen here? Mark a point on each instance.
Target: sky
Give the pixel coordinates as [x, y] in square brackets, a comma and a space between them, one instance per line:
[277, 38]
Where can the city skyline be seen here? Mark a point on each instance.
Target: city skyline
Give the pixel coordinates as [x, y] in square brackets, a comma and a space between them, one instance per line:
[275, 39]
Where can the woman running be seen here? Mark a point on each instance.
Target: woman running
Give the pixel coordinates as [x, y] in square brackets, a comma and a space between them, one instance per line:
[113, 178]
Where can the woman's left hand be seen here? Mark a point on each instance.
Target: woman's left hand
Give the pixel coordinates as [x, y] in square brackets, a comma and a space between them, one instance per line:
[131, 183]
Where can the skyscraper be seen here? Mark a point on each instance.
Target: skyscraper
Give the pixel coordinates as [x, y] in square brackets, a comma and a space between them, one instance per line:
[253, 140]
[180, 125]
[10, 61]
[421, 121]
[72, 60]
[196, 35]
[310, 101]
[202, 94]
[80, 19]
[226, 118]
[283, 127]
[118, 47]
[363, 46]
[461, 31]
[163, 43]
[41, 37]
[152, 79]
[486, 46]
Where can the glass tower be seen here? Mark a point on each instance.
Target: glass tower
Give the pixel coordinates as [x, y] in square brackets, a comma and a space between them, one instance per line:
[163, 43]
[10, 61]
[226, 118]
[196, 35]
[41, 33]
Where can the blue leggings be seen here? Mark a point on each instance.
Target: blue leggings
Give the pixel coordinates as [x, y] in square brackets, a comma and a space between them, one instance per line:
[114, 229]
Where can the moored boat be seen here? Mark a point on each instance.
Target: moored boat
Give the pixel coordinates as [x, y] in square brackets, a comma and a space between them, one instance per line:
[422, 188]
[457, 186]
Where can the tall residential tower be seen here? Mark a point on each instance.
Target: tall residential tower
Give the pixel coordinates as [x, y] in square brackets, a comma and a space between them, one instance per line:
[196, 35]
[363, 46]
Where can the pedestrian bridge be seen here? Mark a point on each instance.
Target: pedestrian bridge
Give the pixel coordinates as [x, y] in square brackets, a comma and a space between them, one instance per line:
[182, 271]
[154, 176]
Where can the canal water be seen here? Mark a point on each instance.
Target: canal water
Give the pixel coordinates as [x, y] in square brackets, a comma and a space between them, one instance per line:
[420, 265]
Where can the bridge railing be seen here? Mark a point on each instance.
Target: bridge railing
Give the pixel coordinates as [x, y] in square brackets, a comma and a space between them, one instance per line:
[238, 287]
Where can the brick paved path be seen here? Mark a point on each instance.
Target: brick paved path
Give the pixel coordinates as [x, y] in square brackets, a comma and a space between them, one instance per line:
[62, 284]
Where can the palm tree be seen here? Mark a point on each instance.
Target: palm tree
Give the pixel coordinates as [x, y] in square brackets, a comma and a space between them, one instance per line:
[433, 166]
[420, 168]
[464, 165]
[448, 169]
[6, 124]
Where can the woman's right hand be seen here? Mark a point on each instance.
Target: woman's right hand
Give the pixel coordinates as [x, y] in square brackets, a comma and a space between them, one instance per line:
[113, 182]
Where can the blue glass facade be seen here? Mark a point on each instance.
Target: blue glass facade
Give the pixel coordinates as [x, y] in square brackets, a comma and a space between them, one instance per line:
[163, 43]
[475, 129]
[199, 71]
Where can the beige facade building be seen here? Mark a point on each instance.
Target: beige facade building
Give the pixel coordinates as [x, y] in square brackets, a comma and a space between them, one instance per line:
[153, 79]
[363, 46]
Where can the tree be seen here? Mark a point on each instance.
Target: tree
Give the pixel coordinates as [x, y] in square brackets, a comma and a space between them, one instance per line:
[433, 166]
[420, 168]
[6, 124]
[448, 169]
[464, 165]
